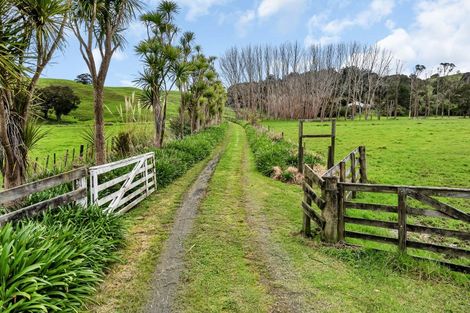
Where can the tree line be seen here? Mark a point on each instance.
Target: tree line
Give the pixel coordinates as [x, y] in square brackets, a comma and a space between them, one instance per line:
[337, 80]
[32, 32]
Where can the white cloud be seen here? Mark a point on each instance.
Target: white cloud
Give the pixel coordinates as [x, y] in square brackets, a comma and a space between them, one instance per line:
[398, 42]
[390, 24]
[97, 57]
[322, 31]
[119, 55]
[440, 33]
[290, 9]
[198, 8]
[269, 8]
[375, 12]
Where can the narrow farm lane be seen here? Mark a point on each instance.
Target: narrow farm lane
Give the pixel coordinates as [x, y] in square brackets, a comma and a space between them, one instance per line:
[170, 265]
[233, 264]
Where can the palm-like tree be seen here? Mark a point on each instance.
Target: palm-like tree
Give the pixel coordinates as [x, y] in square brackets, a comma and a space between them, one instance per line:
[159, 56]
[100, 24]
[31, 32]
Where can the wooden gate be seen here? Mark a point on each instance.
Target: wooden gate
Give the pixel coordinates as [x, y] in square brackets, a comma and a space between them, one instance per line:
[416, 219]
[119, 186]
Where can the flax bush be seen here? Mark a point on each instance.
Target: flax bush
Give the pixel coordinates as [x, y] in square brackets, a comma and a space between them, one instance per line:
[53, 263]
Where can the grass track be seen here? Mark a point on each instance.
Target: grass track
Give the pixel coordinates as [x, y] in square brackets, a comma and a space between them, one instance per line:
[148, 226]
[225, 270]
[223, 274]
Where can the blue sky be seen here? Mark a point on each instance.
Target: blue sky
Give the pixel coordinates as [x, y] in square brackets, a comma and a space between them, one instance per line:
[416, 31]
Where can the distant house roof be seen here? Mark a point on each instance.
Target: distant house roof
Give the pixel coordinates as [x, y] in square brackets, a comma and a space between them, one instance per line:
[359, 104]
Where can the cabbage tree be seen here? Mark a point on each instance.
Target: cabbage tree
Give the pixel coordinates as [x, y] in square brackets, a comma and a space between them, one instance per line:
[31, 31]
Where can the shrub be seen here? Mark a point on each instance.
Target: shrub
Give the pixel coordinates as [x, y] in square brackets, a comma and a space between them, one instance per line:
[272, 151]
[53, 263]
[176, 157]
[122, 144]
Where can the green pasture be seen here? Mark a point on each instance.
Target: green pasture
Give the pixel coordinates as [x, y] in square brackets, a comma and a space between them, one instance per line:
[433, 152]
[425, 152]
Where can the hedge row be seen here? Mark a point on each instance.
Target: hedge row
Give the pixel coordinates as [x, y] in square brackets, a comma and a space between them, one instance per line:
[53, 263]
[176, 157]
[272, 151]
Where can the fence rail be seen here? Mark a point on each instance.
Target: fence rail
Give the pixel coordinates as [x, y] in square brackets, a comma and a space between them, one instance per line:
[328, 200]
[78, 194]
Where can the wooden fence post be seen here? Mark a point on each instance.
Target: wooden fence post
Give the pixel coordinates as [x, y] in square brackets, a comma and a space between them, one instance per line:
[306, 225]
[402, 194]
[301, 151]
[82, 183]
[363, 164]
[66, 158]
[333, 141]
[353, 172]
[342, 178]
[330, 212]
[35, 167]
[330, 158]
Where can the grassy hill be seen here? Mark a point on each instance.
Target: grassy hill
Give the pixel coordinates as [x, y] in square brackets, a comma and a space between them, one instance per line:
[69, 134]
[113, 98]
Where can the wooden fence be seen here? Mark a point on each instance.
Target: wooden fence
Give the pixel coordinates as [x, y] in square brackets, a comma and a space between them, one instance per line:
[333, 197]
[113, 192]
[123, 192]
[79, 194]
[84, 154]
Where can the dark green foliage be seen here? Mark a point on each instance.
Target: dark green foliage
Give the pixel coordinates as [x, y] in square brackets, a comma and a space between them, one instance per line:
[168, 166]
[53, 263]
[175, 126]
[84, 79]
[122, 144]
[461, 97]
[270, 152]
[60, 99]
[175, 158]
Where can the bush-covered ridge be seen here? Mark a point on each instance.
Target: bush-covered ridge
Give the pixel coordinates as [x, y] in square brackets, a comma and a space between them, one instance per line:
[176, 157]
[53, 263]
[272, 153]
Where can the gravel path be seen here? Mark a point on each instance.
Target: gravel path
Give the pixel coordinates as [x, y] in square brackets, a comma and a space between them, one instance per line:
[171, 262]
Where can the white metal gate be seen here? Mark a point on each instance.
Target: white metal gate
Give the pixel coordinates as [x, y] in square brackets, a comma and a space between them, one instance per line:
[121, 193]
